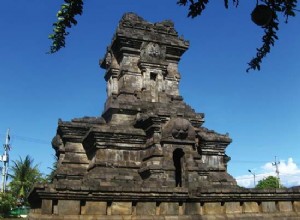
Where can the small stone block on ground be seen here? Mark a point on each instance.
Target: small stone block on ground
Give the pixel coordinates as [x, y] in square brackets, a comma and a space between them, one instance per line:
[193, 208]
[68, 207]
[121, 208]
[94, 208]
[296, 205]
[213, 208]
[268, 207]
[169, 208]
[233, 207]
[251, 207]
[146, 208]
[46, 206]
[285, 206]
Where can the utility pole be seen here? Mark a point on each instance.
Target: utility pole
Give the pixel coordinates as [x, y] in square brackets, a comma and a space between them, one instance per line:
[5, 159]
[253, 177]
[276, 163]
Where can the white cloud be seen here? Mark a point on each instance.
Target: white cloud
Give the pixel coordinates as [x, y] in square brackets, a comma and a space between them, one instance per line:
[289, 174]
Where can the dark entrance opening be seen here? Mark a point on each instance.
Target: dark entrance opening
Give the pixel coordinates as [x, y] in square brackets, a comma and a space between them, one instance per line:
[177, 159]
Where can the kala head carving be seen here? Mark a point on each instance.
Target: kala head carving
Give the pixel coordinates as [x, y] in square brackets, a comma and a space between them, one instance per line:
[180, 129]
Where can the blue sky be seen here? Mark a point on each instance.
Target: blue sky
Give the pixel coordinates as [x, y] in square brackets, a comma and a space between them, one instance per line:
[260, 110]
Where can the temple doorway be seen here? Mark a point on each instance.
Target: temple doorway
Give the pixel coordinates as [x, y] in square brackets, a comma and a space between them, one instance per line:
[177, 159]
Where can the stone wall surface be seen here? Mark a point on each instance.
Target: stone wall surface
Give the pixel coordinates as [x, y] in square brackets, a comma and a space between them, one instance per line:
[148, 155]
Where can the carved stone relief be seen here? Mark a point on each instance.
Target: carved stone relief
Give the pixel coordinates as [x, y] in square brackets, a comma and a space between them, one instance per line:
[57, 144]
[151, 52]
[178, 128]
[108, 60]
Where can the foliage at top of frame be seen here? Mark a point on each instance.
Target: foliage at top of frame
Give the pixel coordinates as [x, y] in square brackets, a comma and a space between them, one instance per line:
[265, 14]
[66, 18]
[265, 9]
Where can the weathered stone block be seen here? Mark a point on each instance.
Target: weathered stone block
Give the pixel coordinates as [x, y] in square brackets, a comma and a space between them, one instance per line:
[74, 147]
[285, 206]
[181, 209]
[36, 211]
[77, 158]
[144, 217]
[121, 208]
[193, 208]
[169, 208]
[94, 208]
[213, 208]
[268, 207]
[45, 217]
[71, 217]
[233, 207]
[296, 206]
[46, 206]
[55, 209]
[68, 207]
[146, 208]
[172, 217]
[89, 217]
[251, 207]
[113, 217]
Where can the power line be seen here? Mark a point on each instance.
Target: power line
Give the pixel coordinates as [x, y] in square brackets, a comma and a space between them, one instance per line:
[256, 161]
[248, 161]
[268, 174]
[28, 139]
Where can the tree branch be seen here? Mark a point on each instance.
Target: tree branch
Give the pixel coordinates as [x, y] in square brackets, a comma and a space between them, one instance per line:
[66, 18]
[268, 41]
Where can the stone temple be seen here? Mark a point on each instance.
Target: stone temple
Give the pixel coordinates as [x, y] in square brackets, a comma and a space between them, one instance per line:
[148, 156]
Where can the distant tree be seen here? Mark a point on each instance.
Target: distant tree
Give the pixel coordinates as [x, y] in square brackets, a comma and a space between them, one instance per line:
[51, 175]
[271, 182]
[7, 202]
[265, 14]
[24, 175]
